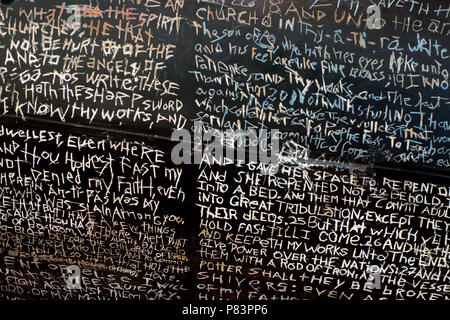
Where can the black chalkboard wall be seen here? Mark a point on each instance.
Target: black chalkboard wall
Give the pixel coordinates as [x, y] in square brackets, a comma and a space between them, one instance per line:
[95, 204]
